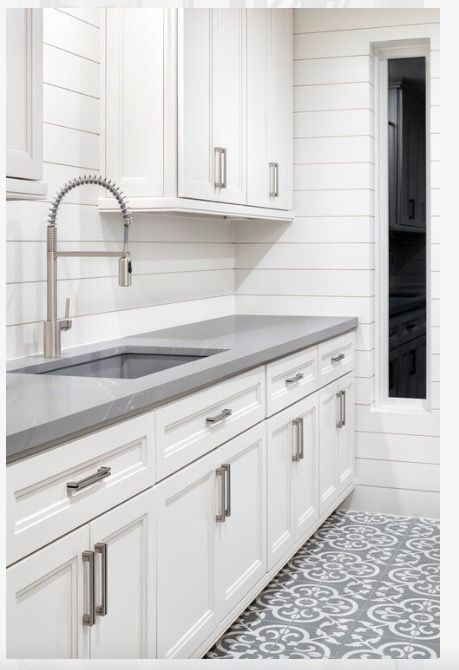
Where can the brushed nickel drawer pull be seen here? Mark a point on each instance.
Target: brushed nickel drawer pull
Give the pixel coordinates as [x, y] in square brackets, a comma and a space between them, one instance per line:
[101, 548]
[224, 414]
[297, 453]
[87, 481]
[89, 618]
[294, 380]
[337, 359]
[343, 405]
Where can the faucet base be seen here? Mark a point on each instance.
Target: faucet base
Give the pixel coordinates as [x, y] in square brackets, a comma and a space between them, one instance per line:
[52, 339]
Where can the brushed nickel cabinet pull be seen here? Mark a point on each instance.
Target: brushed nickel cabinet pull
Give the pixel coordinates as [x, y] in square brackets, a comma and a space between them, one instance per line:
[87, 481]
[218, 418]
[276, 182]
[218, 167]
[222, 516]
[89, 618]
[294, 380]
[224, 168]
[343, 404]
[300, 439]
[337, 359]
[101, 548]
[227, 468]
[296, 452]
[339, 421]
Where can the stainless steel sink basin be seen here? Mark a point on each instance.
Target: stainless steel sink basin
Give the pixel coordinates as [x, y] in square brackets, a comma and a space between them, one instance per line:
[119, 363]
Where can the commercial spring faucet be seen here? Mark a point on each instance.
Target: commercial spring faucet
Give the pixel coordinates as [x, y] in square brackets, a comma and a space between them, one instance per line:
[54, 326]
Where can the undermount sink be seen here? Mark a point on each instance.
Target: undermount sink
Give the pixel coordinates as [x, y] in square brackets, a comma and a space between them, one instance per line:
[119, 363]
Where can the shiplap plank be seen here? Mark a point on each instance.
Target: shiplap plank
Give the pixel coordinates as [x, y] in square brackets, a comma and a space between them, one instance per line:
[435, 339]
[398, 475]
[337, 44]
[70, 109]
[318, 20]
[365, 363]
[405, 423]
[339, 122]
[26, 220]
[331, 71]
[69, 71]
[313, 230]
[334, 202]
[332, 96]
[435, 174]
[339, 176]
[26, 261]
[70, 147]
[68, 33]
[27, 302]
[333, 150]
[435, 146]
[362, 308]
[308, 256]
[435, 370]
[302, 282]
[365, 340]
[56, 175]
[364, 390]
[395, 447]
[435, 64]
[26, 339]
[394, 501]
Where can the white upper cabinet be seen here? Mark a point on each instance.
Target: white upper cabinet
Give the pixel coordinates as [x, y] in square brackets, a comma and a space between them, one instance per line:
[194, 124]
[135, 101]
[24, 115]
[269, 83]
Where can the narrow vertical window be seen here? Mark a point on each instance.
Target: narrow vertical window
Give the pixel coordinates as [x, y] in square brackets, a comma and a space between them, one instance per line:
[407, 227]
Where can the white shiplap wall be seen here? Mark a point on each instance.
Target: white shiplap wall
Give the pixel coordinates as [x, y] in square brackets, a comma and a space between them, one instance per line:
[324, 262]
[183, 268]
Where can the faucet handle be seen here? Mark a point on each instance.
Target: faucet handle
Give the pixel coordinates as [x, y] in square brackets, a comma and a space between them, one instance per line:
[66, 323]
[67, 308]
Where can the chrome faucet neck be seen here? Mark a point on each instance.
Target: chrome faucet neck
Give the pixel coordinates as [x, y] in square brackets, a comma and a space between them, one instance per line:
[53, 326]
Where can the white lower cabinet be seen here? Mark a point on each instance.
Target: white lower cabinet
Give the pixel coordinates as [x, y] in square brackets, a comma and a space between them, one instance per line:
[336, 460]
[292, 444]
[45, 601]
[90, 594]
[212, 551]
[160, 573]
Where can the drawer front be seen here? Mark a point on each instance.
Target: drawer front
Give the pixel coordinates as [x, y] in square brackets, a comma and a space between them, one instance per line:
[336, 358]
[104, 469]
[191, 426]
[290, 379]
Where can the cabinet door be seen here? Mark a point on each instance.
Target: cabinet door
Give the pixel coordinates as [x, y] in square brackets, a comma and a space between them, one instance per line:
[258, 136]
[186, 598]
[346, 434]
[229, 102]
[328, 451]
[46, 596]
[134, 100]
[24, 80]
[195, 119]
[240, 550]
[281, 451]
[124, 543]
[280, 107]
[305, 470]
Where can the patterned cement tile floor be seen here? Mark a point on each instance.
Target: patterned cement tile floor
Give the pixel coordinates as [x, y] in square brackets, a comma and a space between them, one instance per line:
[364, 586]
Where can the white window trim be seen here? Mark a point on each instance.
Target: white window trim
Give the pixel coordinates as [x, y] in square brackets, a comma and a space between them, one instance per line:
[381, 53]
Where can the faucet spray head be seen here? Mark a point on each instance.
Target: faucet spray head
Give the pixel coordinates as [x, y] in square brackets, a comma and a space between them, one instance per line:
[125, 270]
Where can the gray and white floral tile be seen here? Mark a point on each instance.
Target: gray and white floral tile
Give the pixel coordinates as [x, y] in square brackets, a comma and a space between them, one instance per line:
[364, 586]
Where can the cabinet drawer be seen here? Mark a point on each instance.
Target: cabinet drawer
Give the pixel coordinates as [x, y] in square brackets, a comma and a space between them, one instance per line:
[40, 504]
[191, 426]
[336, 357]
[290, 379]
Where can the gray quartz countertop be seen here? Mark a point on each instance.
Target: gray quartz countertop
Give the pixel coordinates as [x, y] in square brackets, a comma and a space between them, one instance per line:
[45, 410]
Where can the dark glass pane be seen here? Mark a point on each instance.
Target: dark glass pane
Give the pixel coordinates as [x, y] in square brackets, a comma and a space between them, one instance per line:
[407, 228]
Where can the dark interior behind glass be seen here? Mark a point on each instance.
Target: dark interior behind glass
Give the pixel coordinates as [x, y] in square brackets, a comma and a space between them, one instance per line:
[407, 227]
